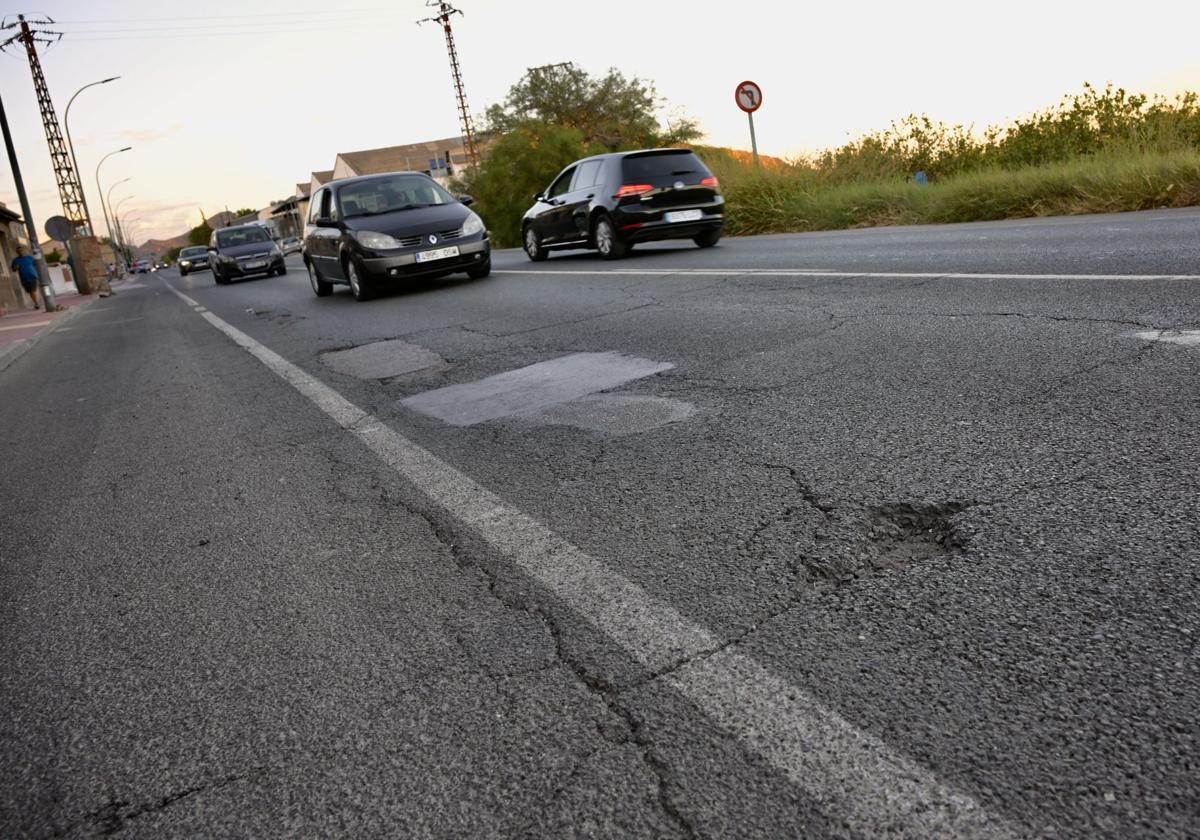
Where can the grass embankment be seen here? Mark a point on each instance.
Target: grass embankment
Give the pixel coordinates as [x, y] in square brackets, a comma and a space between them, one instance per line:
[792, 198]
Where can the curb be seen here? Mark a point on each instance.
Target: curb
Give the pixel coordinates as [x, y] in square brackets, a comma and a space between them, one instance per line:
[14, 351]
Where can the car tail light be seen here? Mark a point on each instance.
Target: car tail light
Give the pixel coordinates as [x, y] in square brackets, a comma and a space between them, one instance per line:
[632, 189]
[710, 181]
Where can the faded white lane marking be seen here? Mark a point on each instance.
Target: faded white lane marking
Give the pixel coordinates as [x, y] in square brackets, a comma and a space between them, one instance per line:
[533, 387]
[1188, 338]
[27, 326]
[815, 272]
[854, 775]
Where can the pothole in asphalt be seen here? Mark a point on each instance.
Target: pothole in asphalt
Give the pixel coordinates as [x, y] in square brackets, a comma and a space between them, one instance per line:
[382, 359]
[614, 414]
[906, 533]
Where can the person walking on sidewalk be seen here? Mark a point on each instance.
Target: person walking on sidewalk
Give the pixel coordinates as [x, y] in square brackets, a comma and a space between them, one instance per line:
[27, 272]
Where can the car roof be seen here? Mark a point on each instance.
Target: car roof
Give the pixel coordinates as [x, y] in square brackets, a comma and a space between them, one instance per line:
[639, 152]
[258, 225]
[341, 182]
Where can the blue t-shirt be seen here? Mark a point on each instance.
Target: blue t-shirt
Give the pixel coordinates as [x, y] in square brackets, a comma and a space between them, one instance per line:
[26, 267]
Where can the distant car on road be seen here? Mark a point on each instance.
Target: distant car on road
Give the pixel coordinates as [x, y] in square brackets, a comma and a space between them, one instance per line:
[610, 202]
[380, 230]
[242, 251]
[291, 245]
[140, 266]
[191, 259]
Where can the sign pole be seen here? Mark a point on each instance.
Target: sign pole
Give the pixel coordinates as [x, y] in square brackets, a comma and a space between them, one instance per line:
[748, 96]
[35, 250]
[753, 139]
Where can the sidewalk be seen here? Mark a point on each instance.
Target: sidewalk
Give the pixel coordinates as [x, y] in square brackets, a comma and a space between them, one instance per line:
[19, 331]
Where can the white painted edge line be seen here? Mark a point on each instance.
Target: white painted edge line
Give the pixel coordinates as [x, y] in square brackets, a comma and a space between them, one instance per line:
[813, 272]
[852, 775]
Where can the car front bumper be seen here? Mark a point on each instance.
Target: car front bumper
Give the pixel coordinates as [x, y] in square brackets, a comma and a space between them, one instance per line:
[238, 269]
[470, 254]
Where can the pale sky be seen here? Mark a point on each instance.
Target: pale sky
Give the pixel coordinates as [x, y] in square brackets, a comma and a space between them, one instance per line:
[231, 102]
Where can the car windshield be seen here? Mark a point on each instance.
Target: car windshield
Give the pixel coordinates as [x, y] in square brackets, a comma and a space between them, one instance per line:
[385, 195]
[241, 236]
[193, 252]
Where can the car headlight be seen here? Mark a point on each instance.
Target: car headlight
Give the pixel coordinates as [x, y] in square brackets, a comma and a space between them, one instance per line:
[185, 263]
[472, 225]
[377, 241]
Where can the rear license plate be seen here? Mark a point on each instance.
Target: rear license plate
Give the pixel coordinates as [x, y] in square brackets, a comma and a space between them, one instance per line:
[438, 254]
[256, 264]
[684, 216]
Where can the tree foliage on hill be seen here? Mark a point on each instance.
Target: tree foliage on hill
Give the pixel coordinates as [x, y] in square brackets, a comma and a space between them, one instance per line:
[245, 211]
[611, 110]
[555, 115]
[200, 234]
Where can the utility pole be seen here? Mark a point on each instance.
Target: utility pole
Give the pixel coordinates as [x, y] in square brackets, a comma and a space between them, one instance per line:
[30, 228]
[444, 12]
[70, 190]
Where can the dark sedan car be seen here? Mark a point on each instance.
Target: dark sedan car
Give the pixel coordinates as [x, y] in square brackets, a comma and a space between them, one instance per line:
[242, 251]
[379, 230]
[609, 202]
[194, 258]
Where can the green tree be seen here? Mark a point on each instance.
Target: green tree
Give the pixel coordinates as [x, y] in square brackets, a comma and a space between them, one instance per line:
[611, 110]
[519, 164]
[200, 234]
[52, 257]
[245, 211]
[173, 254]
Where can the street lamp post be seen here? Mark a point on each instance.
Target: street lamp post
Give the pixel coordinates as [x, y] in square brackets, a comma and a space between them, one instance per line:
[107, 221]
[67, 123]
[113, 240]
[121, 230]
[125, 225]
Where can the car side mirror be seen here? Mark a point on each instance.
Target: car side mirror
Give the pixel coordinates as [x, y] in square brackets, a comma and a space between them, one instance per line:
[325, 221]
[466, 200]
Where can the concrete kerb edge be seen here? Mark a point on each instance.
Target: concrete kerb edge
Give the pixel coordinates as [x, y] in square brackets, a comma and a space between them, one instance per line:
[8, 355]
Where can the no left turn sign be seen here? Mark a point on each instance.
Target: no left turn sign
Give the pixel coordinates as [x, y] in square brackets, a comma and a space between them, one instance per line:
[748, 96]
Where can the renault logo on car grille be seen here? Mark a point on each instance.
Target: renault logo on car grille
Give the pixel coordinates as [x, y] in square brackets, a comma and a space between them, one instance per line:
[433, 239]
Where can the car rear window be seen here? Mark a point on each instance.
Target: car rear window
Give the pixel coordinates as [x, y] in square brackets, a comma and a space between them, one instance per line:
[193, 252]
[660, 166]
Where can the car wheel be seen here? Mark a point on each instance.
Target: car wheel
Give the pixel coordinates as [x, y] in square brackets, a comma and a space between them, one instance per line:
[282, 270]
[221, 281]
[608, 243]
[707, 239]
[359, 285]
[478, 272]
[533, 245]
[183, 272]
[320, 287]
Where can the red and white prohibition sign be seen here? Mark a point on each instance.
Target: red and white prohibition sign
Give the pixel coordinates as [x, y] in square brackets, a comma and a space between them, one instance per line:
[748, 96]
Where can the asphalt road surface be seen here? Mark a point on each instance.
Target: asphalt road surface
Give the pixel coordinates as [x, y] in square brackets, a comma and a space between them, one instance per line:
[881, 533]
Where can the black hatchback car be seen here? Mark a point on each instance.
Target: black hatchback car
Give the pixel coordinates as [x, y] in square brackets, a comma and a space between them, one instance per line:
[243, 250]
[609, 202]
[379, 230]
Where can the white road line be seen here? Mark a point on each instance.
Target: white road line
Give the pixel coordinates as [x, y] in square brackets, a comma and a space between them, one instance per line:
[854, 777]
[1188, 338]
[815, 272]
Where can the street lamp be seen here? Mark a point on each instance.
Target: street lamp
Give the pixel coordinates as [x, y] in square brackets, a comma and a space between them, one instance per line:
[108, 197]
[107, 222]
[125, 226]
[120, 230]
[67, 123]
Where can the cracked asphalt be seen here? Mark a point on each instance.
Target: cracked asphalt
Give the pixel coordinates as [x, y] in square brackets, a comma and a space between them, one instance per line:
[960, 512]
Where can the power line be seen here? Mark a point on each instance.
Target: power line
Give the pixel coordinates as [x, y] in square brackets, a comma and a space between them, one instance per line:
[445, 12]
[330, 13]
[70, 190]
